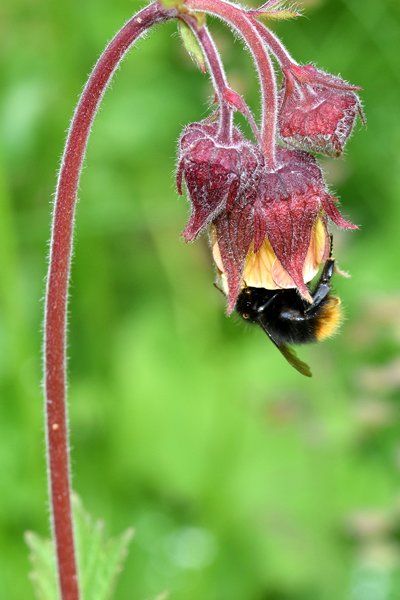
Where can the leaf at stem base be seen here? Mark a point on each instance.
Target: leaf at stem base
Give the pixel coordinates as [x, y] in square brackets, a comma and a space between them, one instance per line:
[100, 560]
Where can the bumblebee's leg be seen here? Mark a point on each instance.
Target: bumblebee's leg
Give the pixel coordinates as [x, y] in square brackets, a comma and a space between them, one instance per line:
[327, 272]
[215, 284]
[330, 246]
[323, 286]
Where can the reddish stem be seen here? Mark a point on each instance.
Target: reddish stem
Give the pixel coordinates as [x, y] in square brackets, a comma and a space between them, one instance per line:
[228, 98]
[57, 291]
[217, 73]
[274, 43]
[239, 20]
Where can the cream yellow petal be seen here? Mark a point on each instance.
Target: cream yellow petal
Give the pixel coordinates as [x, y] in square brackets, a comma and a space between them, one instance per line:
[264, 270]
[258, 267]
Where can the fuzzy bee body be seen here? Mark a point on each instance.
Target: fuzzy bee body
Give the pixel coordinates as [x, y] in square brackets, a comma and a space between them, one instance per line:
[289, 319]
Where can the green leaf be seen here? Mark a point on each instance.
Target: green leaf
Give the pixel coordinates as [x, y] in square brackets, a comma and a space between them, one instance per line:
[43, 567]
[192, 46]
[100, 560]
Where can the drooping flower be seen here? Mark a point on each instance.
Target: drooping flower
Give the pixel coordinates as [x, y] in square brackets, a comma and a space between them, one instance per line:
[280, 224]
[317, 111]
[263, 269]
[216, 173]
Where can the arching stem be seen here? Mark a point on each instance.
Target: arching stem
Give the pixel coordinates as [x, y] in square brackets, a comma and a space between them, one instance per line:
[244, 25]
[57, 291]
[228, 98]
[217, 73]
[274, 43]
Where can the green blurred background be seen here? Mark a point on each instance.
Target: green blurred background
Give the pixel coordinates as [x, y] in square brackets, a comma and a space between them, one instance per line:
[243, 480]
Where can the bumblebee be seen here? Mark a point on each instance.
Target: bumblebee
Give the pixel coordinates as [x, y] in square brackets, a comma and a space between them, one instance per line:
[288, 319]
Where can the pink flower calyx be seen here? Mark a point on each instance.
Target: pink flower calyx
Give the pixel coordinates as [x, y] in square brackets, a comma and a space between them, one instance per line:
[283, 209]
[318, 110]
[216, 173]
[267, 208]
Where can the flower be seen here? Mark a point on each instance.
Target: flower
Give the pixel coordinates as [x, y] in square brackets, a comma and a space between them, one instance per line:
[215, 173]
[268, 227]
[263, 269]
[317, 111]
[278, 228]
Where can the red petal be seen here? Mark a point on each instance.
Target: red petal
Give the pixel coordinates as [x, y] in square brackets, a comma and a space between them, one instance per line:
[232, 194]
[310, 74]
[329, 205]
[200, 217]
[234, 236]
[260, 224]
[289, 228]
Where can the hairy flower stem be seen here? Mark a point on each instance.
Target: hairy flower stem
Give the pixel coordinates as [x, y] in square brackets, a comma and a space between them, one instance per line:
[57, 291]
[244, 25]
[218, 77]
[274, 44]
[226, 96]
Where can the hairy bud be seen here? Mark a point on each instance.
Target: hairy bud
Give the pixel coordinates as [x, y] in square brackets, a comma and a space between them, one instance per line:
[216, 174]
[317, 111]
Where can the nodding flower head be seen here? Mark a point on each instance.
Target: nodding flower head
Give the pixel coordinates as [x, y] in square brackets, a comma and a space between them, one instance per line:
[275, 234]
[266, 207]
[317, 111]
[216, 173]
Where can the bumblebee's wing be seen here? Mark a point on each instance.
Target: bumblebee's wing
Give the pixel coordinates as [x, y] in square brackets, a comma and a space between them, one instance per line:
[293, 359]
[289, 354]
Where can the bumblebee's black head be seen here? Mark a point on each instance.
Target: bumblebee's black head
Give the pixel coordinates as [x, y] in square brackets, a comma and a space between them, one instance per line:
[252, 302]
[289, 319]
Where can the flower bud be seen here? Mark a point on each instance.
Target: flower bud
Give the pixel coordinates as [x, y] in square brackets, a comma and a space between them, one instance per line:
[215, 173]
[317, 111]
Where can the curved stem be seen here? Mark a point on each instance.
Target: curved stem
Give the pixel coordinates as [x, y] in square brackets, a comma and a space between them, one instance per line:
[228, 98]
[57, 291]
[217, 74]
[274, 43]
[244, 25]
